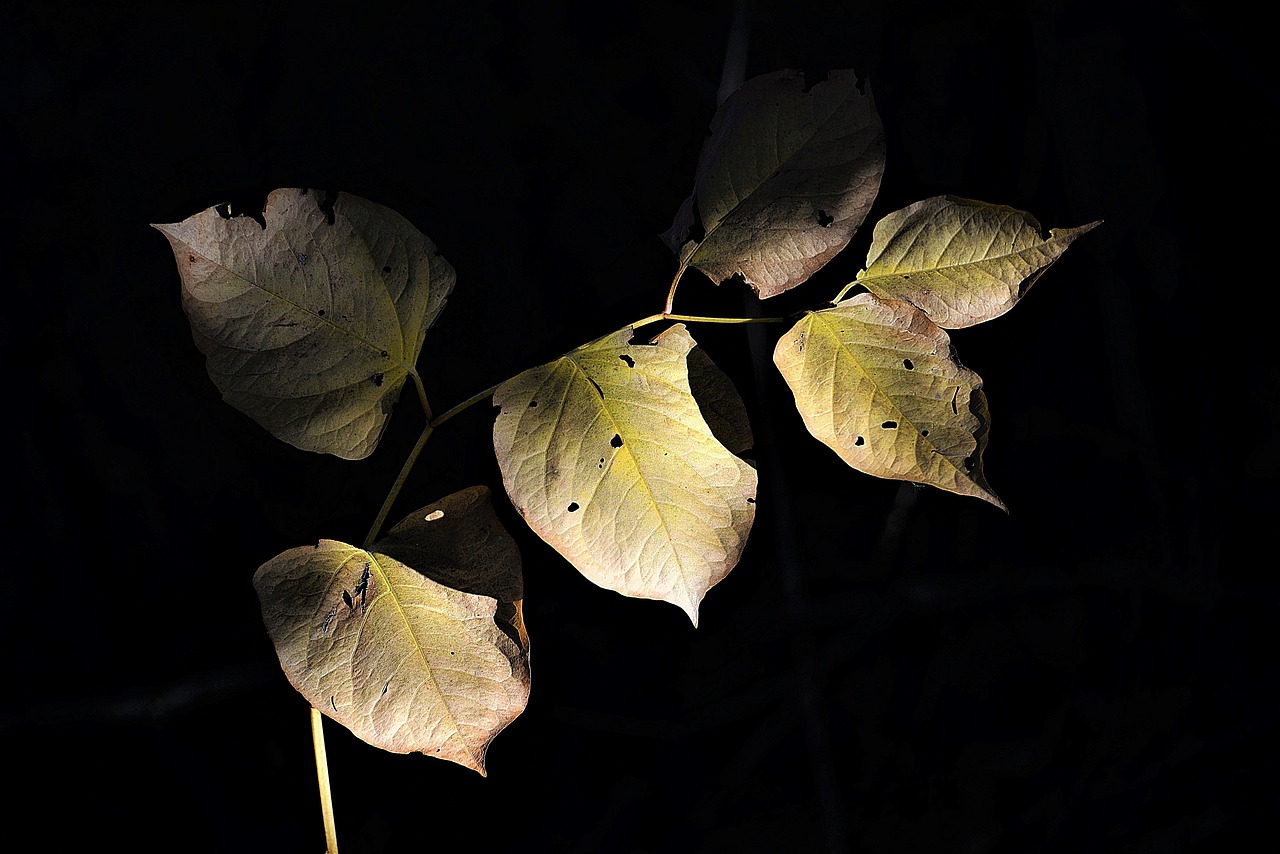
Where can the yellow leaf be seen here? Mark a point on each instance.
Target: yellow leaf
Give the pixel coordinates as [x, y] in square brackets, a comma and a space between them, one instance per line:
[606, 455]
[875, 381]
[959, 261]
[404, 662]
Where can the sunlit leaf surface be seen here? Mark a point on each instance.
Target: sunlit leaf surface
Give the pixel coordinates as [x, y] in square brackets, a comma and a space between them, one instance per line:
[606, 455]
[876, 382]
[403, 661]
[959, 261]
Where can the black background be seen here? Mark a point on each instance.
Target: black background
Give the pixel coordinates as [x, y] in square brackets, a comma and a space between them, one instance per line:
[886, 670]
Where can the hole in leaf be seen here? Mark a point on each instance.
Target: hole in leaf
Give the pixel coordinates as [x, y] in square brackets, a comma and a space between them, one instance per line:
[890, 425]
[224, 211]
[386, 269]
[385, 354]
[321, 312]
[532, 404]
[377, 379]
[631, 363]
[751, 501]
[825, 220]
[860, 441]
[906, 363]
[599, 390]
[601, 463]
[191, 259]
[616, 441]
[924, 432]
[573, 507]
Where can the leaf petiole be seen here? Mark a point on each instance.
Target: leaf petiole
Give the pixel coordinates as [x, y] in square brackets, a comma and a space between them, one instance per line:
[844, 291]
[422, 394]
[697, 318]
[671, 294]
[398, 485]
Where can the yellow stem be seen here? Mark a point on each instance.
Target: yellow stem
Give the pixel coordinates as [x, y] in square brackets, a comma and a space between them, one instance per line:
[322, 775]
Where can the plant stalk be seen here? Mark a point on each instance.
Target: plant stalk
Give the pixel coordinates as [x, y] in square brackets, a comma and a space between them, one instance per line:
[397, 486]
[322, 776]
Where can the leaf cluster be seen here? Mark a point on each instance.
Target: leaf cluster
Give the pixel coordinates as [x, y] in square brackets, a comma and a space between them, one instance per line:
[626, 453]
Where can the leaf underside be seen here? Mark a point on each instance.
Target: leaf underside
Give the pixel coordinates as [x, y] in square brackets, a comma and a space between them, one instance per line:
[606, 455]
[960, 261]
[310, 328]
[875, 380]
[404, 662]
[784, 181]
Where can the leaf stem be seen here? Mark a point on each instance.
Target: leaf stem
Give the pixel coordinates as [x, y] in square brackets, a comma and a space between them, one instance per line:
[671, 294]
[322, 775]
[422, 394]
[466, 404]
[845, 290]
[397, 486]
[697, 318]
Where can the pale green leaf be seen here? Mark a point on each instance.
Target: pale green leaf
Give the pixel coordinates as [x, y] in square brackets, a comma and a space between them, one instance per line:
[606, 455]
[783, 182]
[310, 328]
[406, 663]
[875, 380]
[959, 261]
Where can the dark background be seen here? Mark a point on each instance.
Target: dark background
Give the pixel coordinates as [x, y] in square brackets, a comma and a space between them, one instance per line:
[887, 670]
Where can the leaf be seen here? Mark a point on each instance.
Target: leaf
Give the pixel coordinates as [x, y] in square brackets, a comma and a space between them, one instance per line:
[310, 328]
[875, 381]
[959, 261]
[605, 454]
[785, 179]
[719, 403]
[403, 661]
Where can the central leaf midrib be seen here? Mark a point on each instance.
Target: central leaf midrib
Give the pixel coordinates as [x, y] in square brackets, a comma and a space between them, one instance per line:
[389, 590]
[871, 277]
[626, 444]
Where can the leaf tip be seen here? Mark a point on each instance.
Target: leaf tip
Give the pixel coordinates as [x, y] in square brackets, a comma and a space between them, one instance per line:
[994, 500]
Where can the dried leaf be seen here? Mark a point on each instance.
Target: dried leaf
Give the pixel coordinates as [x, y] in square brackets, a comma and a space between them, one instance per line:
[310, 328]
[785, 179]
[404, 662]
[876, 381]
